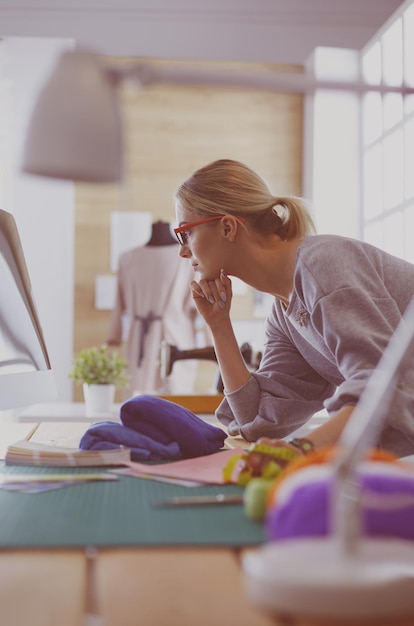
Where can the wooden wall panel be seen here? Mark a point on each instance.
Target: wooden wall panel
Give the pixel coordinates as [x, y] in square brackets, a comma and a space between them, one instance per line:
[169, 132]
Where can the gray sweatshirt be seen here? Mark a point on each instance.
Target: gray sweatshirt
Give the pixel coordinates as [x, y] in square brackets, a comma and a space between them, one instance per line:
[347, 300]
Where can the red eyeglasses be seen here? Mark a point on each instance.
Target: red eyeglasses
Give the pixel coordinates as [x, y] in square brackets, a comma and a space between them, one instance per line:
[182, 231]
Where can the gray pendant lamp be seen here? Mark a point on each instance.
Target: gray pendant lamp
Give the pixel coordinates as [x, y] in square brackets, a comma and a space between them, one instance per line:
[75, 129]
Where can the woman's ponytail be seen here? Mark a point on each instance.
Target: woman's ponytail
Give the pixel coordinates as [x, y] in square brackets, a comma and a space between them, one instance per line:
[296, 218]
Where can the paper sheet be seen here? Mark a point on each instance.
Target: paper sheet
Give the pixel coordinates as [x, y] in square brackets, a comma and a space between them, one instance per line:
[205, 469]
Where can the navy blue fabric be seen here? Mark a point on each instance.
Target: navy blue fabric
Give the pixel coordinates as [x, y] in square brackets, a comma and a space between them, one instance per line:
[155, 429]
[106, 435]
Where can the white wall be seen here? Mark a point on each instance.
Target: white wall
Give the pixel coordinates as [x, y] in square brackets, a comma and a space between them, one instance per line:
[43, 209]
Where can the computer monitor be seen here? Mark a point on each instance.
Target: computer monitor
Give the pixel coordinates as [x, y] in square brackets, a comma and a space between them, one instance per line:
[26, 376]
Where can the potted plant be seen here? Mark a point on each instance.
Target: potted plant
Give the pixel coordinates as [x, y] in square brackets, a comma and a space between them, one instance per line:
[101, 372]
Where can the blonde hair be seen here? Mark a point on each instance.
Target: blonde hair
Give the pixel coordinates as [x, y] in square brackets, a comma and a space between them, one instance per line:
[228, 187]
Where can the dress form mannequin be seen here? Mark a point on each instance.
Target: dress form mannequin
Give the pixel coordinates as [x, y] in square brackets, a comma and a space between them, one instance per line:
[161, 235]
[154, 304]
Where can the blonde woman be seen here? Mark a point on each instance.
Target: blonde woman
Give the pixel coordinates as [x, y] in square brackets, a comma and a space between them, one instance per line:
[337, 302]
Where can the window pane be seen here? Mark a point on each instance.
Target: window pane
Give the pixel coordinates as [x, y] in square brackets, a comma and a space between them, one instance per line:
[373, 233]
[371, 64]
[409, 160]
[409, 103]
[388, 137]
[409, 55]
[393, 169]
[408, 232]
[392, 57]
[373, 176]
[371, 117]
[393, 109]
[409, 45]
[394, 234]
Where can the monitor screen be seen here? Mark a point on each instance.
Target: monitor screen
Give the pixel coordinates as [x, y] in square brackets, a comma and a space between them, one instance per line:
[25, 371]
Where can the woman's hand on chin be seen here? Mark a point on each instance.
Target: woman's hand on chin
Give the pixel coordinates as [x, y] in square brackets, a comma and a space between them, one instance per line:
[212, 297]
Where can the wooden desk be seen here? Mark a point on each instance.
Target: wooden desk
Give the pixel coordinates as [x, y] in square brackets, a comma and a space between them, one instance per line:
[164, 587]
[41, 588]
[127, 587]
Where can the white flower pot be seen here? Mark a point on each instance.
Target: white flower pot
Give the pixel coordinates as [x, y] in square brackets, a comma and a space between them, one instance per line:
[99, 400]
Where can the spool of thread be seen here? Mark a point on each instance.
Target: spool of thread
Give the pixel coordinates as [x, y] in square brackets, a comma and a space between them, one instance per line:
[255, 497]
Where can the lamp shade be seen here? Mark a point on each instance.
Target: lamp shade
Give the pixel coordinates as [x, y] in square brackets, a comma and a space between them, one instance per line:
[75, 129]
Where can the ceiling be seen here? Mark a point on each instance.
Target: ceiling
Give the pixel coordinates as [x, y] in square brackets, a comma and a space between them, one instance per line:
[280, 31]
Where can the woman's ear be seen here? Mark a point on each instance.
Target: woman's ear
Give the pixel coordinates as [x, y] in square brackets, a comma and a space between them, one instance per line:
[229, 225]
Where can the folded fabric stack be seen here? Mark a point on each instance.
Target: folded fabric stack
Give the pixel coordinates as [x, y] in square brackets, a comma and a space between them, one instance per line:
[155, 429]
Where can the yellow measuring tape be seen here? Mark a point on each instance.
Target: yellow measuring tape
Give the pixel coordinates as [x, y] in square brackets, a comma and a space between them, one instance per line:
[238, 470]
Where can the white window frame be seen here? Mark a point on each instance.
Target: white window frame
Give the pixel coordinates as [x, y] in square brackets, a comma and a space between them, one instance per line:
[387, 142]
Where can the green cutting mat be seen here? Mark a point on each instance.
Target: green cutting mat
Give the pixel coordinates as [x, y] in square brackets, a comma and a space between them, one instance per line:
[119, 513]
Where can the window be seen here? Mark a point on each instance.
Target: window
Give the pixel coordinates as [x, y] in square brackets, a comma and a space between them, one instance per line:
[388, 139]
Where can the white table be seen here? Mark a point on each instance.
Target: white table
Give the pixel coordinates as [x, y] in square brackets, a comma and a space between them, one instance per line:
[64, 411]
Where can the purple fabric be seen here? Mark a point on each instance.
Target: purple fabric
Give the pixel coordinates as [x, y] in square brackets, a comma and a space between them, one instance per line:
[306, 512]
[155, 429]
[107, 435]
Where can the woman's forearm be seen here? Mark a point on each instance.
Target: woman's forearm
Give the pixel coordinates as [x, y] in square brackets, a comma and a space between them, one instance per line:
[233, 369]
[213, 299]
[323, 437]
[329, 433]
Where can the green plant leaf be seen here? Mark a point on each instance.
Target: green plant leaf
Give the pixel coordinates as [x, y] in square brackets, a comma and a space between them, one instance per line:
[99, 366]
